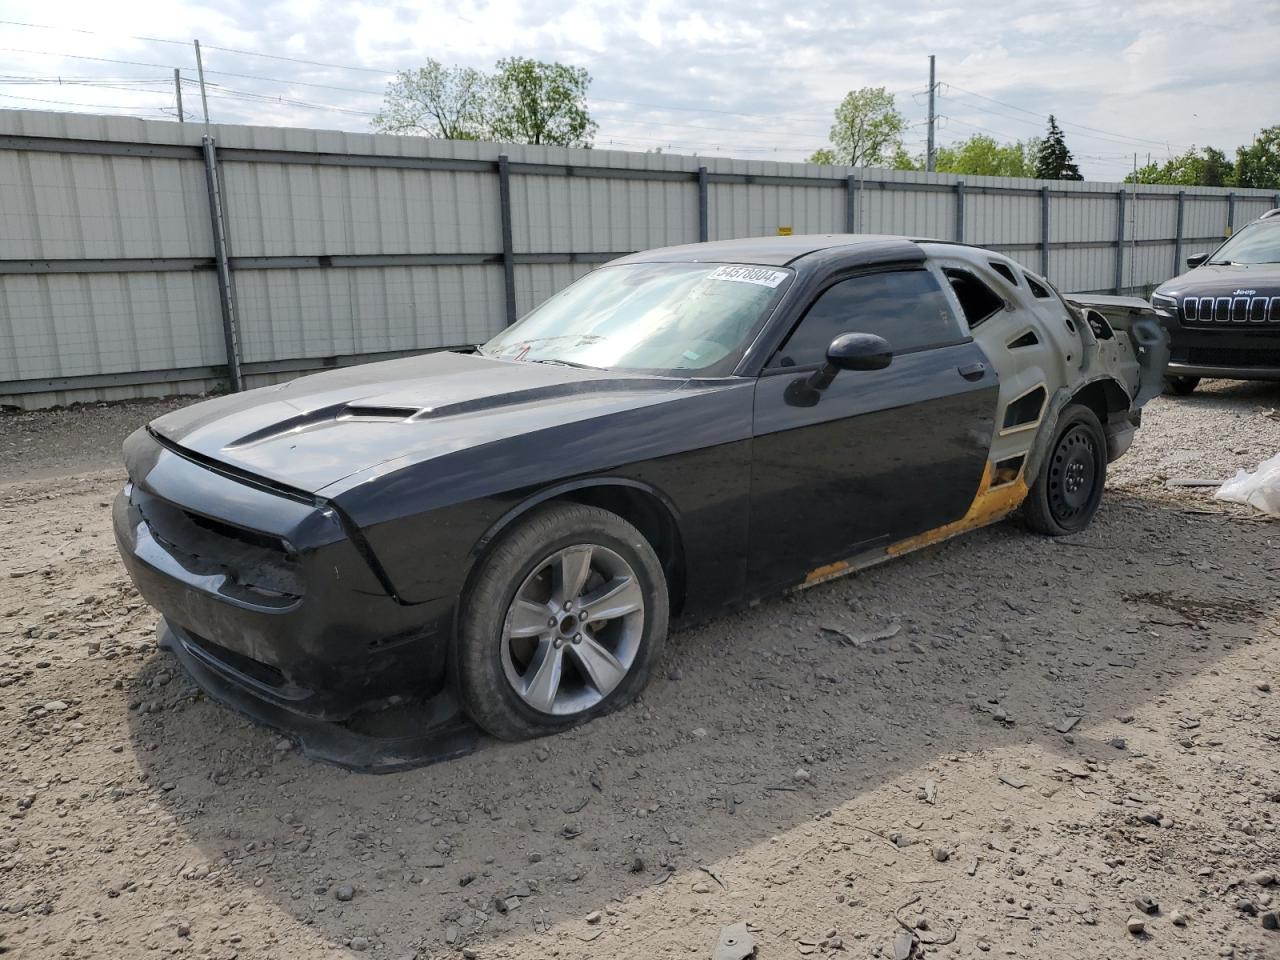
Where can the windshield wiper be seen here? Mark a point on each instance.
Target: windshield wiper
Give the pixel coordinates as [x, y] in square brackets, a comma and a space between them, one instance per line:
[560, 363]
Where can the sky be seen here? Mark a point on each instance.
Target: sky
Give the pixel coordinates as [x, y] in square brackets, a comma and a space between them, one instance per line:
[734, 78]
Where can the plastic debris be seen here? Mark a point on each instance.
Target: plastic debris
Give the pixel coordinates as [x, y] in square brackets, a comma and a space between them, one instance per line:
[1259, 489]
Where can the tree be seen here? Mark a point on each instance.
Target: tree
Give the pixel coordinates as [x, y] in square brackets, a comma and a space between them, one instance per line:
[541, 103]
[1206, 167]
[867, 129]
[981, 155]
[1052, 158]
[901, 160]
[435, 101]
[823, 157]
[1258, 165]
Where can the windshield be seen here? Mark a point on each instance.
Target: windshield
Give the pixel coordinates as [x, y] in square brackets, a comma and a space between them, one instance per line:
[668, 318]
[1256, 243]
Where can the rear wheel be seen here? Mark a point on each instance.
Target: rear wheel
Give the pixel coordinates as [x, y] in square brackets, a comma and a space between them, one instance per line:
[1068, 486]
[1182, 386]
[564, 621]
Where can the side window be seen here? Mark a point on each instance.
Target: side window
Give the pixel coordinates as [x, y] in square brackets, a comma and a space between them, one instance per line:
[978, 301]
[1037, 289]
[907, 308]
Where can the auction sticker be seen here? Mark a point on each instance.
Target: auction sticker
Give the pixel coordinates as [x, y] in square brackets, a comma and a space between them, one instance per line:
[743, 274]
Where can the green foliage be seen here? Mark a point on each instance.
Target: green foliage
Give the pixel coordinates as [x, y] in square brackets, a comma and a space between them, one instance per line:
[981, 155]
[523, 101]
[867, 129]
[536, 102]
[435, 101]
[1206, 167]
[824, 157]
[1052, 158]
[901, 160]
[1258, 165]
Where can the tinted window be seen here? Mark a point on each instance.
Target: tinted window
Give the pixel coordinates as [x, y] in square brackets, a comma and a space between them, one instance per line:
[907, 308]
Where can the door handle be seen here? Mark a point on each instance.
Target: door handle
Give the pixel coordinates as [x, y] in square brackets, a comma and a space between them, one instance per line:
[974, 371]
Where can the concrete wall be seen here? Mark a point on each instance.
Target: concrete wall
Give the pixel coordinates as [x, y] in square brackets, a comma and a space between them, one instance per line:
[347, 247]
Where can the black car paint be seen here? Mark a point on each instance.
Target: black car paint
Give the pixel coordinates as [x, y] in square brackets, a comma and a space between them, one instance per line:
[390, 512]
[1233, 350]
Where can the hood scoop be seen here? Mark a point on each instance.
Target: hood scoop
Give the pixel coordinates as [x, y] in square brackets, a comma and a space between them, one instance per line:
[322, 417]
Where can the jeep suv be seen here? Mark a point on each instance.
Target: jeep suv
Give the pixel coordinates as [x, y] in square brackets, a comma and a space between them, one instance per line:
[1223, 314]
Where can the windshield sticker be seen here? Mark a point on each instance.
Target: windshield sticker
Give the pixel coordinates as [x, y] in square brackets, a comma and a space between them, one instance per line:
[762, 276]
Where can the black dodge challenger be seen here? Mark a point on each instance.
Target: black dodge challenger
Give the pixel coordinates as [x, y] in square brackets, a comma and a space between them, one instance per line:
[679, 433]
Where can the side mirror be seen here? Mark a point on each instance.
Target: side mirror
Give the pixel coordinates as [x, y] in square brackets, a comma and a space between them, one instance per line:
[859, 351]
[1196, 259]
[850, 351]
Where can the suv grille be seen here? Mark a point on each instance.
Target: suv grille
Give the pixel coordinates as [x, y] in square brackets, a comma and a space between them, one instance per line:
[1231, 310]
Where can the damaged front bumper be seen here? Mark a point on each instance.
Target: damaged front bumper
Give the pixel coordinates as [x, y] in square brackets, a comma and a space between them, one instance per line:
[276, 610]
[413, 736]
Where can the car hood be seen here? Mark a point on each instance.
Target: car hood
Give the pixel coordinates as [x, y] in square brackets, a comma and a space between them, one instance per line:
[1225, 280]
[312, 432]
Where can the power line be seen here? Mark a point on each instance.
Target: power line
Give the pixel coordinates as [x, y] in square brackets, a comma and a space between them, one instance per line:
[183, 43]
[1125, 138]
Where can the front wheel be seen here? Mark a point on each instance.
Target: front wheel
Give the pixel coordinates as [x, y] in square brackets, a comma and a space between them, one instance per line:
[1068, 485]
[564, 621]
[1182, 386]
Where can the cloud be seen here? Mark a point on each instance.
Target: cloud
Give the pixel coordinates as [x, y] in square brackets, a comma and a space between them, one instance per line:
[727, 77]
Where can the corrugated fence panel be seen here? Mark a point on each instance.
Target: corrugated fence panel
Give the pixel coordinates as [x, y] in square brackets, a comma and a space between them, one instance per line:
[65, 325]
[994, 218]
[58, 205]
[342, 311]
[107, 257]
[1204, 218]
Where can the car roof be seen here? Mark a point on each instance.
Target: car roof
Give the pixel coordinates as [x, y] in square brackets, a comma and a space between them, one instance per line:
[783, 251]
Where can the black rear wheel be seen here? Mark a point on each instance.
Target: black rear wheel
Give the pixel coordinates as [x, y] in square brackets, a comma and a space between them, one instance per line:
[1068, 486]
[1182, 386]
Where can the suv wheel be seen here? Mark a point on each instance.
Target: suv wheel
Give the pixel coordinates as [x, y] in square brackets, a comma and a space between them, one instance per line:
[1182, 386]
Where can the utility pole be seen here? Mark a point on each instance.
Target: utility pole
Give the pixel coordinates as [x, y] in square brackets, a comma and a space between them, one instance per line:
[928, 160]
[177, 90]
[204, 98]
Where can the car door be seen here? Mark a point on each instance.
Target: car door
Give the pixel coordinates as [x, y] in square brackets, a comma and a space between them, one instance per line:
[881, 455]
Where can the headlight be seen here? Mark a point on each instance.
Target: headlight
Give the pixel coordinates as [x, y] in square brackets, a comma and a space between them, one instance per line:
[1165, 306]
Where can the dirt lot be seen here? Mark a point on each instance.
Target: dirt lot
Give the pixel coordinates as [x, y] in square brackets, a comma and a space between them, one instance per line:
[1057, 730]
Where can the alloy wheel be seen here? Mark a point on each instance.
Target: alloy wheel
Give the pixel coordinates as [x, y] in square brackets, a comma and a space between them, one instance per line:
[573, 629]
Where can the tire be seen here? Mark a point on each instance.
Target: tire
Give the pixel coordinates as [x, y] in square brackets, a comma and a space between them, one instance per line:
[1069, 483]
[1182, 386]
[527, 666]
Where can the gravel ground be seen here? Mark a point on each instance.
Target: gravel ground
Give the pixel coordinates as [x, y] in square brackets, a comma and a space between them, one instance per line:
[1000, 746]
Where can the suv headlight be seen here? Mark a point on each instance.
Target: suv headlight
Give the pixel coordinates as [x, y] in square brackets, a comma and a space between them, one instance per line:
[1164, 306]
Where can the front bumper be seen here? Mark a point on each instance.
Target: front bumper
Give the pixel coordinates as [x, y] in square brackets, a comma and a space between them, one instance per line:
[1228, 351]
[430, 732]
[270, 594]
[1183, 368]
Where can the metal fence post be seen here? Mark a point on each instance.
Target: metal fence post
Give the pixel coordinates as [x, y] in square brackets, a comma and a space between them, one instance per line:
[851, 204]
[960, 211]
[704, 224]
[1119, 284]
[1044, 231]
[1177, 243]
[508, 251]
[226, 288]
[1231, 213]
